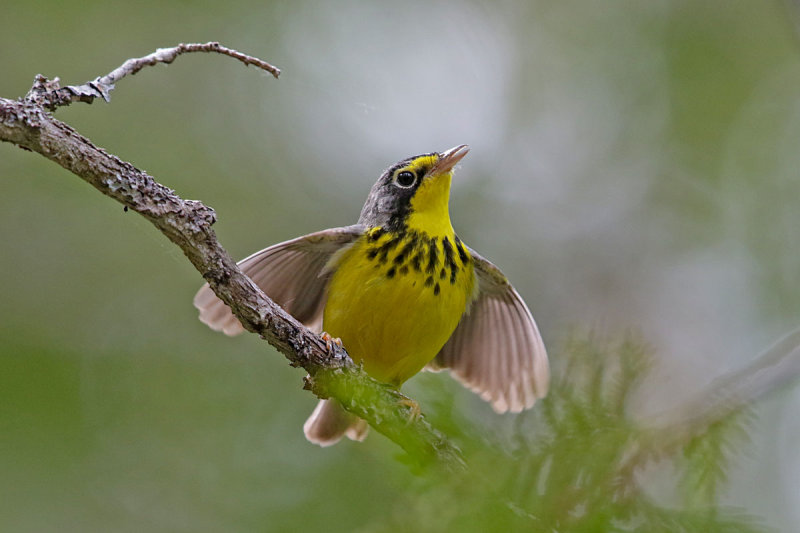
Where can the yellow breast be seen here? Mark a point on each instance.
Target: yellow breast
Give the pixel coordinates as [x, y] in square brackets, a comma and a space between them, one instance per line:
[395, 298]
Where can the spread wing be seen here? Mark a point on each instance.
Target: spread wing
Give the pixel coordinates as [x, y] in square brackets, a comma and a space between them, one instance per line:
[496, 350]
[292, 273]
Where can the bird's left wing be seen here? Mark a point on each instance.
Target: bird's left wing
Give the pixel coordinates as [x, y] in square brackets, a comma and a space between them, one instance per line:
[293, 273]
[497, 350]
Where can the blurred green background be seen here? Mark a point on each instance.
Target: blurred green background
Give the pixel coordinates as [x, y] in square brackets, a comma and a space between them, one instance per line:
[634, 166]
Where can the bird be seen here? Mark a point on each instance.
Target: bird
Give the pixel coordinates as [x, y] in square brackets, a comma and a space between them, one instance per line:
[402, 293]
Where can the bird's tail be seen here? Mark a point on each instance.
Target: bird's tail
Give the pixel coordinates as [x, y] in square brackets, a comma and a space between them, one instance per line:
[330, 422]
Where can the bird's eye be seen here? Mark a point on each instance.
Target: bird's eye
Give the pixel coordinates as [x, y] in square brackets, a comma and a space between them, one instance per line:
[405, 179]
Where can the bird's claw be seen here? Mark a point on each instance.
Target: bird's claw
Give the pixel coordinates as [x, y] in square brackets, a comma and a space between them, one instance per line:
[414, 411]
[330, 341]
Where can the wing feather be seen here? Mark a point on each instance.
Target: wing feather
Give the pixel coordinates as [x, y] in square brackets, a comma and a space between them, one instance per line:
[294, 274]
[497, 350]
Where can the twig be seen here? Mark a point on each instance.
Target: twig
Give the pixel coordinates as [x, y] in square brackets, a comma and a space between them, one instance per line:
[187, 223]
[48, 93]
[777, 367]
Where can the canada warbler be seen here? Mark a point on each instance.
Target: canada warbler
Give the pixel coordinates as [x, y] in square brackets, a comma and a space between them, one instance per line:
[403, 293]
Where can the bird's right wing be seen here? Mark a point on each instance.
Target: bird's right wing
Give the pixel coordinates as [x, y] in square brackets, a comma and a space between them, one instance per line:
[292, 273]
[496, 350]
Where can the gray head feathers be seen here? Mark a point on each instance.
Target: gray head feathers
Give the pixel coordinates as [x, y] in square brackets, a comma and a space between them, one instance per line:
[389, 203]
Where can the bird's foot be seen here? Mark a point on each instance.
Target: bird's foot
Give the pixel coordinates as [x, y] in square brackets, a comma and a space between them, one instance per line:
[330, 341]
[414, 411]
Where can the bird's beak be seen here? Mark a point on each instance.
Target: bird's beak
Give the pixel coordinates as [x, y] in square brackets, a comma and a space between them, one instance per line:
[449, 159]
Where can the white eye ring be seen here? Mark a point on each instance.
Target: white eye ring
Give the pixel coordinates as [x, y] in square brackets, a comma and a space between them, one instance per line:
[405, 179]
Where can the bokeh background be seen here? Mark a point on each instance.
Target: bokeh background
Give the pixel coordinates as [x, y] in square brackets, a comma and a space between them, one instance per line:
[634, 166]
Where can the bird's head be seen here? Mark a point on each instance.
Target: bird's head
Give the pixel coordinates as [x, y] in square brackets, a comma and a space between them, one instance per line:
[414, 194]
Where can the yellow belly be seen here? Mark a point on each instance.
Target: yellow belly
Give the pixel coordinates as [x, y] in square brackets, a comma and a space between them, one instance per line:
[395, 308]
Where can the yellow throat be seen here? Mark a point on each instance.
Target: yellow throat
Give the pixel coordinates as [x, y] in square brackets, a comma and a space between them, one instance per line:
[430, 205]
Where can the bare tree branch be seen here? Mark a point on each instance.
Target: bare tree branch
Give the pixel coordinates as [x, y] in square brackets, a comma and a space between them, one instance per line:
[48, 93]
[187, 223]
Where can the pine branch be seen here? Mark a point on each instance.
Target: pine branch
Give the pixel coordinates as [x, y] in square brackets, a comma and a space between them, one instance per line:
[187, 223]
